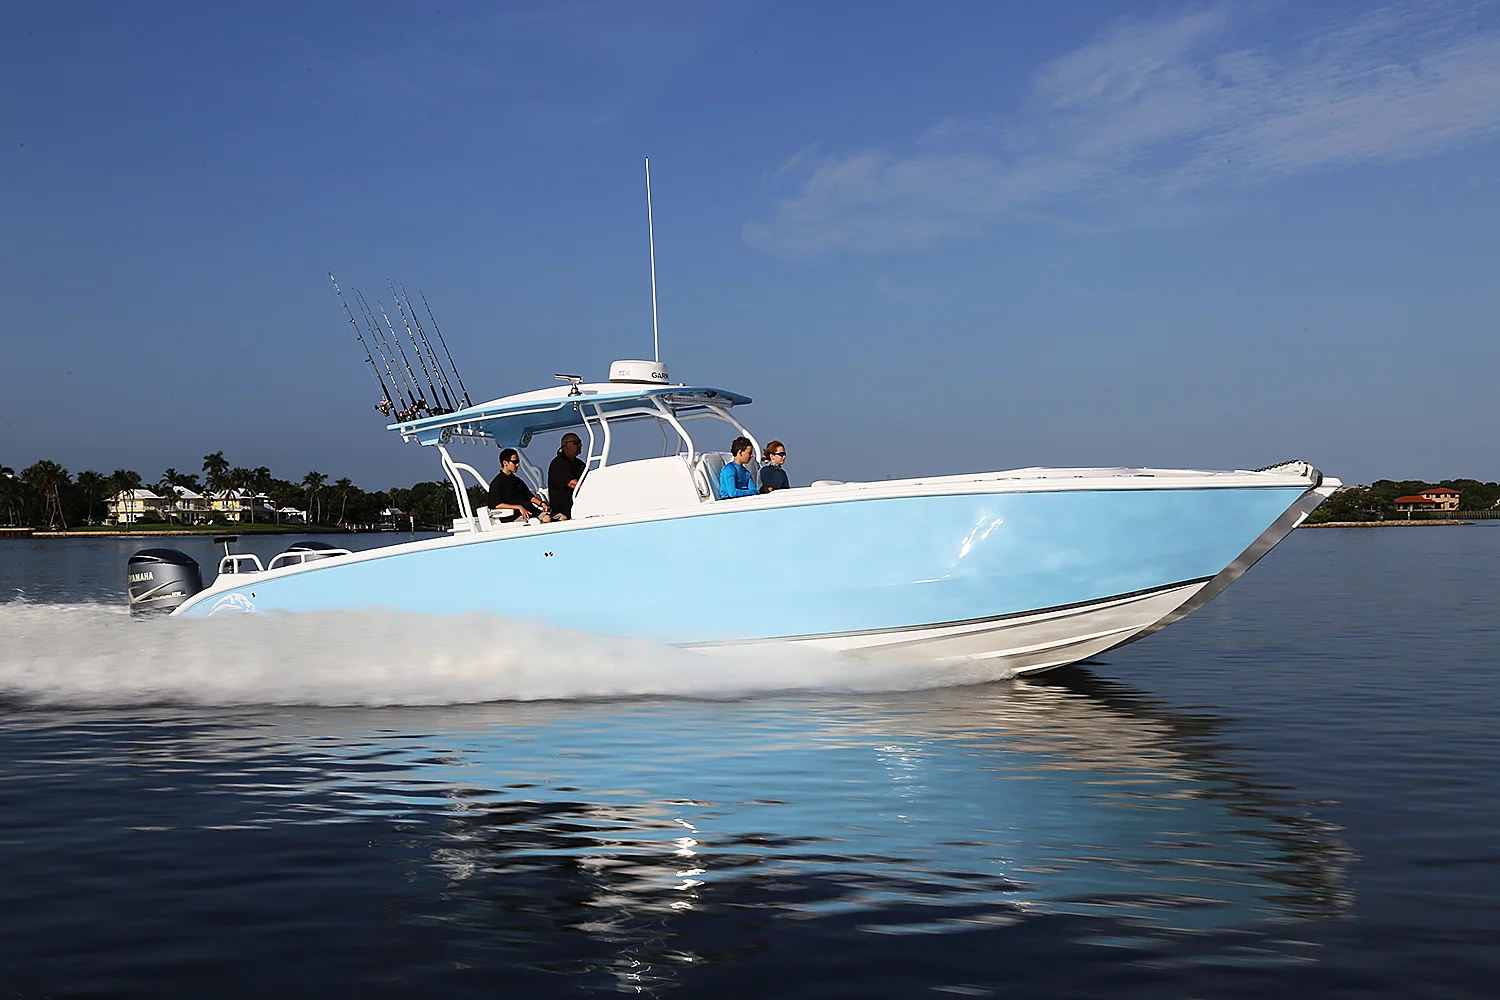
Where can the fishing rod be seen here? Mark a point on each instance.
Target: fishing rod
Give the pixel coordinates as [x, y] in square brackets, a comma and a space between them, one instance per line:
[445, 349]
[417, 348]
[408, 310]
[385, 405]
[407, 396]
[421, 360]
[421, 396]
[443, 380]
[408, 379]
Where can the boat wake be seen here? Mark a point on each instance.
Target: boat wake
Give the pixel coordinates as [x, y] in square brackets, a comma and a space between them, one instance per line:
[94, 655]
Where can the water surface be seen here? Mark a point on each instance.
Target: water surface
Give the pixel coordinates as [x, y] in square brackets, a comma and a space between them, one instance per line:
[1291, 790]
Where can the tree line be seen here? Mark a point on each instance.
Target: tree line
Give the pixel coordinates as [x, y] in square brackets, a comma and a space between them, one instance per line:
[1377, 502]
[46, 495]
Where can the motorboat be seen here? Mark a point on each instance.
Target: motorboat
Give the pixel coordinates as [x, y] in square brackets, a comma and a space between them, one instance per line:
[1029, 569]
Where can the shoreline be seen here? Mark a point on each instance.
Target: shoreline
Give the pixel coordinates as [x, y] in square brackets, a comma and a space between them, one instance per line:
[182, 532]
[1433, 523]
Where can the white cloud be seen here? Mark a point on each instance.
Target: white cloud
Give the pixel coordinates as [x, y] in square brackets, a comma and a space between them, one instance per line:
[1156, 108]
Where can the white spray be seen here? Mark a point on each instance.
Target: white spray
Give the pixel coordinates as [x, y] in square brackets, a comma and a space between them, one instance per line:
[98, 655]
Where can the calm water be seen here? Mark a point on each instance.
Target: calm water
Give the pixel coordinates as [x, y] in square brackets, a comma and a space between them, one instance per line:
[1293, 790]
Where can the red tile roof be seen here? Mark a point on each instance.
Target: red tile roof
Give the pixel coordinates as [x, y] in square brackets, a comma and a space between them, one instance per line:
[1413, 500]
[1441, 489]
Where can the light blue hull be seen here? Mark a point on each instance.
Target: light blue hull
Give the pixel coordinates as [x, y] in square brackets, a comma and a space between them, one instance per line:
[731, 575]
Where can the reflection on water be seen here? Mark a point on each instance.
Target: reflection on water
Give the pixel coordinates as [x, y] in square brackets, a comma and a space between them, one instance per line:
[629, 843]
[1065, 837]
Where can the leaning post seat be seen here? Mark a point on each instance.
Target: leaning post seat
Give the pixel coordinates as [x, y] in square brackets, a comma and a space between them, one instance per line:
[710, 464]
[489, 520]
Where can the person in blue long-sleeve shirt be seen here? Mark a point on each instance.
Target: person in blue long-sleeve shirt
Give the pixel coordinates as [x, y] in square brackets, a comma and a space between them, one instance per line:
[735, 479]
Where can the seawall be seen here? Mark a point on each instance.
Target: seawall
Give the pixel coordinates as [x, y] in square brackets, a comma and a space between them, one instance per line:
[1434, 523]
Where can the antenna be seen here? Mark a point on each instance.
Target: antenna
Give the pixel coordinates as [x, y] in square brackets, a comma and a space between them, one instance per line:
[651, 235]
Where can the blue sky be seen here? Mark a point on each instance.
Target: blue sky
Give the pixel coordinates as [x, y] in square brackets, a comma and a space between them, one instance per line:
[926, 238]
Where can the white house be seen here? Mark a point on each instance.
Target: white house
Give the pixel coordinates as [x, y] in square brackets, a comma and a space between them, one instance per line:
[191, 506]
[129, 506]
[241, 505]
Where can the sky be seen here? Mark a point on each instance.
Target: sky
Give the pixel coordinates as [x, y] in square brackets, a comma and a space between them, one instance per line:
[925, 238]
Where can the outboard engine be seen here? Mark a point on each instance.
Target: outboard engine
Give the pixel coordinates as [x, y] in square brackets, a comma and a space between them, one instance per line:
[160, 580]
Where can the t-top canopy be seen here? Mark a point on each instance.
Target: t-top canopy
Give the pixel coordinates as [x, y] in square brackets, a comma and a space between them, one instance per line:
[511, 420]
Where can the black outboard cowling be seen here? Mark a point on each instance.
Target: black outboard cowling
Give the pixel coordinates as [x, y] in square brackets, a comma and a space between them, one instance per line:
[160, 580]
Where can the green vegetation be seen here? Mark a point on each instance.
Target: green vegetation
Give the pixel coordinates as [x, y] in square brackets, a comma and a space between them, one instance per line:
[1377, 502]
[45, 495]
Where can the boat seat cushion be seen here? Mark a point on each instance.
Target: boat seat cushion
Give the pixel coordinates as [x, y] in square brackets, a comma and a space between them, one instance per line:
[707, 472]
[710, 464]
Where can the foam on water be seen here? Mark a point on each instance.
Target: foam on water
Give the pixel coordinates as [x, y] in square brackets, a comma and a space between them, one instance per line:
[99, 655]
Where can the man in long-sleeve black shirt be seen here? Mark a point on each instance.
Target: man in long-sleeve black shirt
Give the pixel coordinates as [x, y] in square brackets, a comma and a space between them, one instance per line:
[563, 475]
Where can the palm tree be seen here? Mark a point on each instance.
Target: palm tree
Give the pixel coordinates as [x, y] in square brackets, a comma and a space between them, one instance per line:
[313, 482]
[260, 481]
[49, 478]
[343, 485]
[167, 485]
[94, 486]
[123, 481]
[173, 482]
[241, 478]
[214, 468]
[10, 493]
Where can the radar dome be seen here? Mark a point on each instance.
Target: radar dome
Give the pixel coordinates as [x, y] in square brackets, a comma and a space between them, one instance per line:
[639, 372]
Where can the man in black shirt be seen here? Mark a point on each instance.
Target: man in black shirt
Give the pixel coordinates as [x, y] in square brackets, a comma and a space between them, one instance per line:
[509, 491]
[563, 475]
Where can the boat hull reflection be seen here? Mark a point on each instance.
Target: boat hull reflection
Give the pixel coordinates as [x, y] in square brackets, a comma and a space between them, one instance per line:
[917, 813]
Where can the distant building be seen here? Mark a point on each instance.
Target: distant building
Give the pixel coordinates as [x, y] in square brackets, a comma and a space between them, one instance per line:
[133, 506]
[130, 506]
[191, 507]
[241, 505]
[1437, 498]
[1445, 498]
[291, 515]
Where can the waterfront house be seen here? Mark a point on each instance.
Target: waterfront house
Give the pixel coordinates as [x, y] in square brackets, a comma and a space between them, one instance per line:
[1445, 498]
[191, 507]
[241, 505]
[130, 506]
[1437, 498]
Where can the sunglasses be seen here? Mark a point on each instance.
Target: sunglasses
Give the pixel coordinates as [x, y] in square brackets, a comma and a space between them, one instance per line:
[778, 454]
